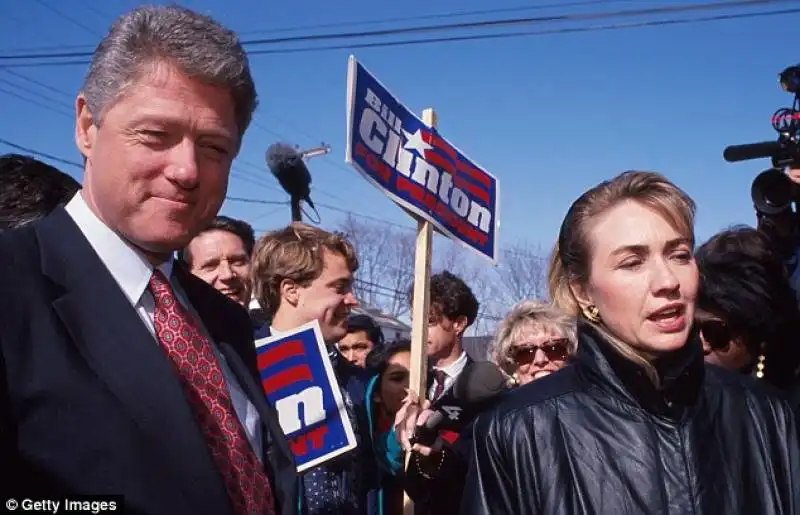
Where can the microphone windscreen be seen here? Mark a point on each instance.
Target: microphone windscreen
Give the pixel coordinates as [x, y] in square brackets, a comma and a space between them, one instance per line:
[281, 156]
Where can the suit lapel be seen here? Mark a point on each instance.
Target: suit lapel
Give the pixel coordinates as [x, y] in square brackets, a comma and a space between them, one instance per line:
[116, 344]
[269, 416]
[235, 342]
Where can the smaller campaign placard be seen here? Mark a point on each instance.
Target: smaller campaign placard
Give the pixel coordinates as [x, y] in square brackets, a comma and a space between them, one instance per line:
[297, 378]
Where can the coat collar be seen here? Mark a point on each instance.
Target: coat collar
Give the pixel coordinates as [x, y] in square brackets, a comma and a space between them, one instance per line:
[680, 373]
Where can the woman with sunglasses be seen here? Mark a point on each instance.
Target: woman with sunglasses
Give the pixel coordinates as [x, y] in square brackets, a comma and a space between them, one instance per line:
[637, 425]
[747, 313]
[533, 341]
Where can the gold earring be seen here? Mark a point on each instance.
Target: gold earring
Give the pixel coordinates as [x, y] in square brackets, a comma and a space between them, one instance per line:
[592, 313]
[760, 366]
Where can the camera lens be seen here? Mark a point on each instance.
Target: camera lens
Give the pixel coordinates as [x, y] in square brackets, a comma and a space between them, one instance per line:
[772, 192]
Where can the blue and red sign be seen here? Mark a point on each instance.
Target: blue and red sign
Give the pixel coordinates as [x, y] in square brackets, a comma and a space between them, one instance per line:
[416, 167]
[298, 379]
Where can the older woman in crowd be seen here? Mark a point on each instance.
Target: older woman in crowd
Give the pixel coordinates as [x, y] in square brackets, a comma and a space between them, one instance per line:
[533, 341]
[638, 424]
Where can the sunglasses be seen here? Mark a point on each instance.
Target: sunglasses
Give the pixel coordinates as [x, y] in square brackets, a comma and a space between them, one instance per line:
[716, 333]
[554, 350]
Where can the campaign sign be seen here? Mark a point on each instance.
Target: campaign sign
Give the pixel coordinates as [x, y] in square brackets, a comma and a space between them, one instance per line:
[416, 167]
[298, 380]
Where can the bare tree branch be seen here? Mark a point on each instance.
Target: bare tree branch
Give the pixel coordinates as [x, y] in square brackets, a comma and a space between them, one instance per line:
[386, 272]
[522, 274]
[386, 264]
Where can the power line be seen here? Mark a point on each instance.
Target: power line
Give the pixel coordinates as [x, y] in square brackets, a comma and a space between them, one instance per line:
[674, 9]
[258, 201]
[31, 100]
[508, 35]
[476, 37]
[64, 16]
[448, 15]
[81, 62]
[37, 83]
[516, 21]
[37, 153]
[57, 103]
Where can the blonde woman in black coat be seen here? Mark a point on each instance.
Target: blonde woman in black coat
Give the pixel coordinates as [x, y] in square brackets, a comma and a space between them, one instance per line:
[637, 425]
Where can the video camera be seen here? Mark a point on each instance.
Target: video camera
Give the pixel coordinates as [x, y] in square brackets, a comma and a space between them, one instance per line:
[772, 191]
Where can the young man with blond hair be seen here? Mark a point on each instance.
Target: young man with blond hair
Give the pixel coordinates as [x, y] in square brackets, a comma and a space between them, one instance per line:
[300, 274]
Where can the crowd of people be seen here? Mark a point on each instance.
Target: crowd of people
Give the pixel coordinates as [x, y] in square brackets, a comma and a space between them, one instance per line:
[660, 376]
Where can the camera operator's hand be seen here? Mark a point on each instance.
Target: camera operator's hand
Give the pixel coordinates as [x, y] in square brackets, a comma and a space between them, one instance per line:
[414, 412]
[794, 175]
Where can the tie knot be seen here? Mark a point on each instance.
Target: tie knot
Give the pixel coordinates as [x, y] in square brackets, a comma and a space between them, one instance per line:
[158, 284]
[439, 375]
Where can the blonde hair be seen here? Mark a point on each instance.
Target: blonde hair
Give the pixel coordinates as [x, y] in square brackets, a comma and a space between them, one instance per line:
[571, 258]
[524, 315]
[295, 253]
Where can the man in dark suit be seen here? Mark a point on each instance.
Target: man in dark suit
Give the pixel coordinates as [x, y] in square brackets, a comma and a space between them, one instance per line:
[435, 475]
[120, 372]
[453, 309]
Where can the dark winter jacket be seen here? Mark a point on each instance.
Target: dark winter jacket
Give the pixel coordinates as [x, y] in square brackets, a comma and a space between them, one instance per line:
[598, 437]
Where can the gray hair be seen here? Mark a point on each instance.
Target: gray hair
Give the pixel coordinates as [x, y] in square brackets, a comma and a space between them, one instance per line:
[197, 45]
[522, 315]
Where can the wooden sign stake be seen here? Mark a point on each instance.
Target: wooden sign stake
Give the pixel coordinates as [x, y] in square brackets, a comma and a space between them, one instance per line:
[420, 308]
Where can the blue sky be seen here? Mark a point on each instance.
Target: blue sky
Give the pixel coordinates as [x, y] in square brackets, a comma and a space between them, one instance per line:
[549, 116]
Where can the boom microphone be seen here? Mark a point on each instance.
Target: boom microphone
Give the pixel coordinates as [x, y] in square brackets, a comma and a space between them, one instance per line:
[752, 151]
[475, 388]
[287, 165]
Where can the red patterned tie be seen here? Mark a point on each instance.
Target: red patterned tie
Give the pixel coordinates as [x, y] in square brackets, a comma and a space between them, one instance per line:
[204, 385]
[439, 378]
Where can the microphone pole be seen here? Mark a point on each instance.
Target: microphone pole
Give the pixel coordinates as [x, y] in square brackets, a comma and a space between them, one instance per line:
[297, 213]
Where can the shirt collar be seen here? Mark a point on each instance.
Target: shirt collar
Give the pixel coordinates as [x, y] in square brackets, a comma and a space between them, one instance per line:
[455, 368]
[126, 264]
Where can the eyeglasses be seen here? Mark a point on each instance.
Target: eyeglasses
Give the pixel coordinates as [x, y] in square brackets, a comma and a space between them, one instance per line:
[716, 333]
[554, 350]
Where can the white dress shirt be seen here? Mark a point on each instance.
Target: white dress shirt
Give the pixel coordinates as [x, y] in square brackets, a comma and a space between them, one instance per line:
[132, 272]
[451, 372]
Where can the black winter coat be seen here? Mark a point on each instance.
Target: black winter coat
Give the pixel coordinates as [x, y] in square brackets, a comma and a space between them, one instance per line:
[598, 438]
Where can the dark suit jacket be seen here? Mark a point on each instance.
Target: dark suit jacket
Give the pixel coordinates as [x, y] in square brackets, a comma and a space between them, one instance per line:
[430, 376]
[89, 402]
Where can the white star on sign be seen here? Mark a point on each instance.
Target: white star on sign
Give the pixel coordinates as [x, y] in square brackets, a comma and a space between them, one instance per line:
[416, 142]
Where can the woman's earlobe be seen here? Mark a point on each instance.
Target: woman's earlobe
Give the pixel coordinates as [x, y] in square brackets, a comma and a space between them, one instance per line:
[582, 298]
